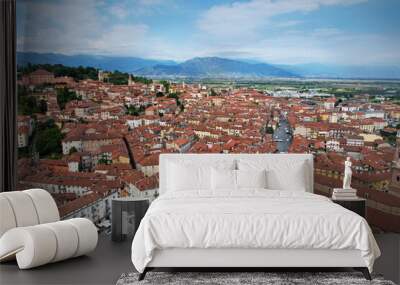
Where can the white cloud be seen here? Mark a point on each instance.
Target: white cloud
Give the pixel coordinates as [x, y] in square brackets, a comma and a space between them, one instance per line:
[245, 19]
[120, 39]
[241, 30]
[326, 32]
[150, 2]
[287, 24]
[119, 11]
[58, 26]
[319, 46]
[250, 29]
[77, 26]
[122, 9]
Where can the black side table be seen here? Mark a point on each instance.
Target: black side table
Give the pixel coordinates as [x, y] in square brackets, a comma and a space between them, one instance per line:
[126, 214]
[357, 205]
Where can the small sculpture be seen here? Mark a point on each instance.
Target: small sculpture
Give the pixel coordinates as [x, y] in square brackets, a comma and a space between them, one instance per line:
[347, 174]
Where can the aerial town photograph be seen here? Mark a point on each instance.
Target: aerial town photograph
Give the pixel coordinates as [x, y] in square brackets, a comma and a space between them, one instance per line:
[88, 135]
[106, 88]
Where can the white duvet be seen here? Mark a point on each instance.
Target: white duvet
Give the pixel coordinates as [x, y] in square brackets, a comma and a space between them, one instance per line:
[250, 219]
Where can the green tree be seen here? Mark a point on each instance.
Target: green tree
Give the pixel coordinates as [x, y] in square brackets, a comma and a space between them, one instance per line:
[43, 106]
[338, 102]
[73, 150]
[141, 79]
[23, 152]
[104, 160]
[135, 111]
[27, 104]
[49, 137]
[176, 97]
[173, 95]
[166, 85]
[269, 130]
[64, 95]
[30, 105]
[118, 78]
[78, 73]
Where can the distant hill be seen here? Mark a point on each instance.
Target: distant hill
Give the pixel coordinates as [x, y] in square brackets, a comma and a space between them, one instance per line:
[211, 67]
[215, 67]
[111, 63]
[316, 70]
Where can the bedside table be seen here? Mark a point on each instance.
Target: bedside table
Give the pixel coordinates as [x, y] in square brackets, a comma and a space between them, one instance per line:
[126, 214]
[357, 205]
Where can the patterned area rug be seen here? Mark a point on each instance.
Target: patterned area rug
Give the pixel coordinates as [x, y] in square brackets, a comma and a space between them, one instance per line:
[243, 278]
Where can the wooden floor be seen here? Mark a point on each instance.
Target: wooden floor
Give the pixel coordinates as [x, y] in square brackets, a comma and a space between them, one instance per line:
[111, 259]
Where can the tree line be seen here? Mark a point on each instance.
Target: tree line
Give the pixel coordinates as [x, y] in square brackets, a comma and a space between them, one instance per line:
[81, 73]
[78, 73]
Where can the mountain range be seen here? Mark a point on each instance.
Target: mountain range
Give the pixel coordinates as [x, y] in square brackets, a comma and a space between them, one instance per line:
[111, 63]
[201, 67]
[216, 67]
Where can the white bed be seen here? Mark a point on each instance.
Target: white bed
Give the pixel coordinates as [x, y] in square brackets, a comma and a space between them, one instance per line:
[249, 227]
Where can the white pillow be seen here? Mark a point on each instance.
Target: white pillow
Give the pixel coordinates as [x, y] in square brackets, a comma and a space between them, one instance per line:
[282, 174]
[292, 180]
[251, 178]
[223, 179]
[183, 177]
[190, 174]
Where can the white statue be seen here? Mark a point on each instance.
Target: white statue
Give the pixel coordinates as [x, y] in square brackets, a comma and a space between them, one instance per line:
[347, 174]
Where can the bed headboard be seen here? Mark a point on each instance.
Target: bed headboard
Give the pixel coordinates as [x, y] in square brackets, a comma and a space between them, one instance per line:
[202, 158]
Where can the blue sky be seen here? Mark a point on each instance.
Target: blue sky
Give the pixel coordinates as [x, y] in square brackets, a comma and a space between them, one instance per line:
[358, 32]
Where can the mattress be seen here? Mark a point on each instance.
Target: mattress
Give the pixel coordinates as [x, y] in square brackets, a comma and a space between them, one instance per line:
[250, 219]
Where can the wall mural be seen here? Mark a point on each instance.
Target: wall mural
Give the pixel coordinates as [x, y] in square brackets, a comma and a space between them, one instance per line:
[104, 87]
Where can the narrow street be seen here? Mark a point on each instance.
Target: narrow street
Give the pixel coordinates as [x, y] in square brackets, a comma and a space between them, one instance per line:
[283, 135]
[131, 158]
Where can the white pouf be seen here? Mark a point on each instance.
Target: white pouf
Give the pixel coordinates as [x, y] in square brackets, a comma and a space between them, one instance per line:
[37, 245]
[31, 232]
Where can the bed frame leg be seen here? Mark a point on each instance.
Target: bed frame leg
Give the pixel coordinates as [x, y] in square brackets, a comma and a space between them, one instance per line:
[364, 271]
[143, 274]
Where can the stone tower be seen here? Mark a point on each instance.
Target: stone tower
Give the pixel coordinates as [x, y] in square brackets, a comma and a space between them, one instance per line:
[100, 75]
[395, 181]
